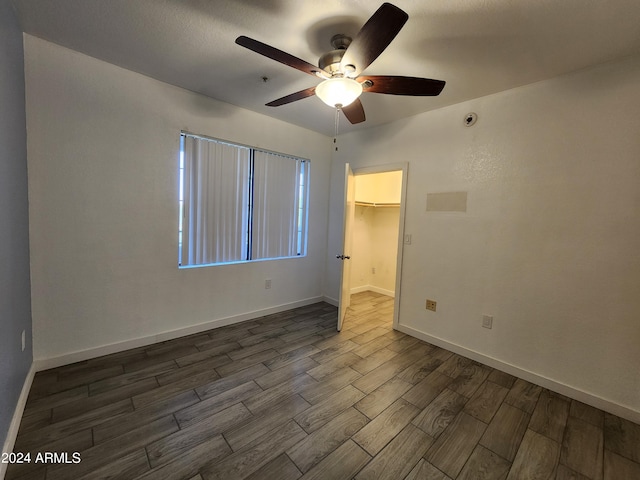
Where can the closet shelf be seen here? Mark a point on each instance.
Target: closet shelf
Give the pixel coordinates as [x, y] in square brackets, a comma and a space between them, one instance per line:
[376, 204]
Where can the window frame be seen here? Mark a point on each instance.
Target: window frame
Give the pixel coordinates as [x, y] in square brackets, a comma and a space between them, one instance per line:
[301, 210]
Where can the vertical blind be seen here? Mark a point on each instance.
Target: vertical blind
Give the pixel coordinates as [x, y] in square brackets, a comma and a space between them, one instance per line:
[275, 203]
[240, 203]
[216, 195]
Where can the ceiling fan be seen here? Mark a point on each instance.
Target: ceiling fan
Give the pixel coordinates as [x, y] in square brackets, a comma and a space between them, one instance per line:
[341, 69]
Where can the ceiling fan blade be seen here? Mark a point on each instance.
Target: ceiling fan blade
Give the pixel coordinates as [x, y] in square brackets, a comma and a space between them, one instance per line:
[373, 38]
[354, 112]
[393, 85]
[293, 97]
[277, 55]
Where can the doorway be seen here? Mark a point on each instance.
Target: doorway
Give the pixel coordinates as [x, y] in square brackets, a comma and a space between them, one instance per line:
[374, 237]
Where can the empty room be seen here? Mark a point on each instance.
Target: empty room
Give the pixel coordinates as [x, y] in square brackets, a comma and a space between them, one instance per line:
[319, 240]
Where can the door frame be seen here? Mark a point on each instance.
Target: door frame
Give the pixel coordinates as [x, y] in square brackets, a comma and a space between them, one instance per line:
[391, 167]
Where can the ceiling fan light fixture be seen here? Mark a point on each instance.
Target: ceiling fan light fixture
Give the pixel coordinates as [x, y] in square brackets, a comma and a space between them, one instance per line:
[339, 91]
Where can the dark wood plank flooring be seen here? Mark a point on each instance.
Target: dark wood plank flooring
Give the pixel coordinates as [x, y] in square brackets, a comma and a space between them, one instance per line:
[286, 396]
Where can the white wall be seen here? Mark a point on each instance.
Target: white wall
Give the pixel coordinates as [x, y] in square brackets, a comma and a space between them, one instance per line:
[103, 147]
[361, 251]
[549, 244]
[15, 299]
[385, 248]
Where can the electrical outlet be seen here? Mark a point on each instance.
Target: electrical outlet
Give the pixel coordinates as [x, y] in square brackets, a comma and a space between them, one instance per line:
[267, 283]
[373, 270]
[487, 321]
[431, 305]
[24, 340]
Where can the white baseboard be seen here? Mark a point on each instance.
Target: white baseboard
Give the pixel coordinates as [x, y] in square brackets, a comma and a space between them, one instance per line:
[78, 356]
[567, 390]
[382, 291]
[14, 426]
[331, 301]
[373, 288]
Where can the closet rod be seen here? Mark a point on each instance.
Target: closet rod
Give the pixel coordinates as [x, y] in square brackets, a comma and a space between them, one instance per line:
[376, 204]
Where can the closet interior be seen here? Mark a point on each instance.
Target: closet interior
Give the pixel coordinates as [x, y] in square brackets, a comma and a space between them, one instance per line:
[375, 232]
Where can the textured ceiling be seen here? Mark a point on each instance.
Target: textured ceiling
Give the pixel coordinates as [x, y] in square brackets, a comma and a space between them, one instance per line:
[478, 47]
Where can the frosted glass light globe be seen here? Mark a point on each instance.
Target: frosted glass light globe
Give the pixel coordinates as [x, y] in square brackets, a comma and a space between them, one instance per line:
[339, 91]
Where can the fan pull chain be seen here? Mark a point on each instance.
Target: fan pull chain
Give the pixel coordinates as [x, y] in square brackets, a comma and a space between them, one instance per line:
[337, 122]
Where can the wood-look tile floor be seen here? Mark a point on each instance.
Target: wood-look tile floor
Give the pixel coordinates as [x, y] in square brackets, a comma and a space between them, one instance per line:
[287, 397]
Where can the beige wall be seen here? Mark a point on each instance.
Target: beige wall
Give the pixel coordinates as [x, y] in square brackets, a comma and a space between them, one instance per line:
[375, 233]
[384, 187]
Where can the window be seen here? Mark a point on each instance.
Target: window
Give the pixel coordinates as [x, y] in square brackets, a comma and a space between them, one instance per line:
[239, 204]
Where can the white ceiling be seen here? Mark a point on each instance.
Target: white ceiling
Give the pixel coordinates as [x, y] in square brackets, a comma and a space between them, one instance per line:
[478, 47]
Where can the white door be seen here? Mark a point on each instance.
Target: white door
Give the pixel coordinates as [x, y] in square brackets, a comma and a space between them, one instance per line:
[345, 255]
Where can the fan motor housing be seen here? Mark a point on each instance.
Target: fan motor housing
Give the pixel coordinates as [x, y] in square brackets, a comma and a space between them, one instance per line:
[330, 62]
